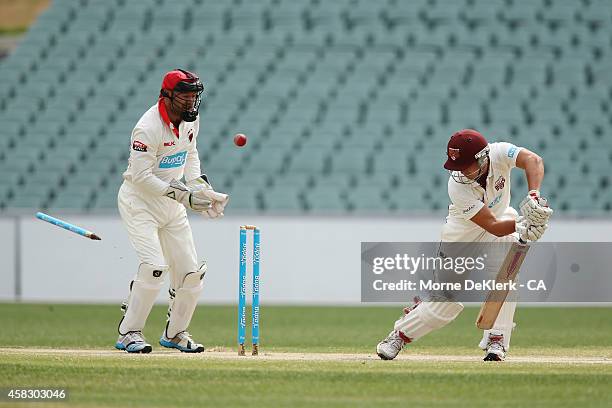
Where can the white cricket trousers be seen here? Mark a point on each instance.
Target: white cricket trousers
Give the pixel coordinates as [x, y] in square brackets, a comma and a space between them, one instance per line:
[505, 320]
[159, 231]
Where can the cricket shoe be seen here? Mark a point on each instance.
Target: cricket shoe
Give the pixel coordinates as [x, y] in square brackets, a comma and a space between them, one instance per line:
[133, 342]
[495, 348]
[182, 342]
[390, 347]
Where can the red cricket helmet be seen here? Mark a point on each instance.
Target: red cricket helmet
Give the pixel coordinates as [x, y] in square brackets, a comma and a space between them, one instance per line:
[182, 81]
[464, 148]
[179, 80]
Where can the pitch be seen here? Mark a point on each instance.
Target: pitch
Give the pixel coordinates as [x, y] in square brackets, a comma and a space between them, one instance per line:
[311, 356]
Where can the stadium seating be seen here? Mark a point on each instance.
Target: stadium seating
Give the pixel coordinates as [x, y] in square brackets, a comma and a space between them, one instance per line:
[347, 104]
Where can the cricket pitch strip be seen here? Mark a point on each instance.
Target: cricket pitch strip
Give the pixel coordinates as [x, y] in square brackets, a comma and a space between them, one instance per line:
[224, 354]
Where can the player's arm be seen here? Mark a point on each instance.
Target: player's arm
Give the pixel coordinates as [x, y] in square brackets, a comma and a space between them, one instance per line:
[192, 163]
[142, 160]
[485, 219]
[533, 166]
[490, 223]
[533, 207]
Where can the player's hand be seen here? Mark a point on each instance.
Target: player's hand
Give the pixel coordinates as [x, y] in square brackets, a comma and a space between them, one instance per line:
[197, 200]
[215, 211]
[535, 208]
[212, 214]
[528, 231]
[199, 183]
[218, 200]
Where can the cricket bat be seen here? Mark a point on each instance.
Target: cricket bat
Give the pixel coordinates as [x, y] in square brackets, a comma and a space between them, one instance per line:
[496, 298]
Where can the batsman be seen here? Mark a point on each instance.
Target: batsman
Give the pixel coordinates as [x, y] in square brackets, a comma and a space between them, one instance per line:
[479, 190]
[152, 203]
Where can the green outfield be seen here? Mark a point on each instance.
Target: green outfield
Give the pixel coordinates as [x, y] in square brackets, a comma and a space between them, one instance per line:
[562, 358]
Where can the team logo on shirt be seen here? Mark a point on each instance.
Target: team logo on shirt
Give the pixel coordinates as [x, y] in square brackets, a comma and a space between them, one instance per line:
[139, 146]
[453, 153]
[169, 143]
[499, 184]
[170, 162]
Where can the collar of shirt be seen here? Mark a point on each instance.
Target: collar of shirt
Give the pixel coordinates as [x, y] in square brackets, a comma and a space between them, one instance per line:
[164, 114]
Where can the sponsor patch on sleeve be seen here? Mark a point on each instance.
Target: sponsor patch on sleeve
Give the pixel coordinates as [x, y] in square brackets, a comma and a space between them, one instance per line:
[512, 151]
[470, 208]
[139, 146]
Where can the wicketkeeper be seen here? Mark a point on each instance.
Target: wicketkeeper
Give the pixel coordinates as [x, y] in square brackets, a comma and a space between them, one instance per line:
[479, 190]
[152, 202]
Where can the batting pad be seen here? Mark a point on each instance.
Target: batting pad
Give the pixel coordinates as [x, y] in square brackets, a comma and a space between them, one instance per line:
[504, 324]
[184, 303]
[427, 317]
[143, 292]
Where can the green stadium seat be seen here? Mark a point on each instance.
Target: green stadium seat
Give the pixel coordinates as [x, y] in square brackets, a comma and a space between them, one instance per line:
[350, 160]
[333, 95]
[407, 200]
[325, 199]
[311, 160]
[29, 196]
[245, 199]
[70, 200]
[391, 161]
[597, 15]
[268, 160]
[104, 200]
[225, 161]
[299, 180]
[520, 15]
[397, 14]
[285, 199]
[482, 14]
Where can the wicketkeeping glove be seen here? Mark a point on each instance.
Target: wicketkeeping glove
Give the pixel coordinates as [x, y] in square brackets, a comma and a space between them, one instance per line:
[197, 200]
[219, 200]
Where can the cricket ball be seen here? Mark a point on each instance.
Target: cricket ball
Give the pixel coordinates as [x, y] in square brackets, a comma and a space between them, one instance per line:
[240, 139]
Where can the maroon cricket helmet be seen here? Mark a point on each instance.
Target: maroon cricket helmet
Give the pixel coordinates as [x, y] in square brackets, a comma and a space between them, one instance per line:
[462, 149]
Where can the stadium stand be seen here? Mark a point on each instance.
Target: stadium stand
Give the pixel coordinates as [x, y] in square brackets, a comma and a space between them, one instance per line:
[348, 104]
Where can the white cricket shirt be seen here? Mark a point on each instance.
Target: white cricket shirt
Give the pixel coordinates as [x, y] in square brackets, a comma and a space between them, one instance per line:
[468, 199]
[159, 152]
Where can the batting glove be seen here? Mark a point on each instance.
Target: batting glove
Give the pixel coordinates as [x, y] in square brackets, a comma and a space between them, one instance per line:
[535, 208]
[528, 231]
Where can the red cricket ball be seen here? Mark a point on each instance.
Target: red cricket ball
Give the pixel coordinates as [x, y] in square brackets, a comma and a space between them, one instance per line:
[240, 139]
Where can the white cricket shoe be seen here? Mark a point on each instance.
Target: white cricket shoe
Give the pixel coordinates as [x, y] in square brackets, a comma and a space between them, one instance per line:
[182, 342]
[133, 342]
[390, 347]
[495, 350]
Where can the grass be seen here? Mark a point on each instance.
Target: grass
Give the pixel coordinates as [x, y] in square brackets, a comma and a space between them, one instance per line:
[150, 381]
[572, 331]
[189, 380]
